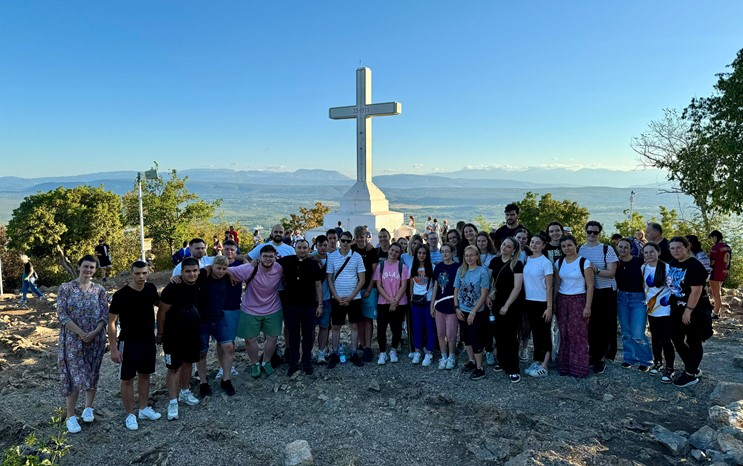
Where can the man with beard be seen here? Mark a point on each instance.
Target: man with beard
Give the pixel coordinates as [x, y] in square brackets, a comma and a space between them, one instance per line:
[261, 307]
[178, 323]
[512, 223]
[303, 303]
[198, 252]
[277, 241]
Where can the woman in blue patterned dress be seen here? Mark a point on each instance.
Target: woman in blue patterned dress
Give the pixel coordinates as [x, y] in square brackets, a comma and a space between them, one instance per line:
[83, 315]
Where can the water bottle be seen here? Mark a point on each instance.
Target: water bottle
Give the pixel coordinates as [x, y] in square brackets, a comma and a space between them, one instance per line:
[342, 353]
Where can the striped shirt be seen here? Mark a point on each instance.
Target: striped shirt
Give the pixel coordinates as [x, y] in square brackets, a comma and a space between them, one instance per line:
[346, 282]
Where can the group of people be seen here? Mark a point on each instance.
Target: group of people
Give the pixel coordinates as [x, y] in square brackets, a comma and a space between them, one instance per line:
[483, 295]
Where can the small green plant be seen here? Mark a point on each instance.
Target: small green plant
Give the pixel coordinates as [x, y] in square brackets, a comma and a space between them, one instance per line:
[35, 451]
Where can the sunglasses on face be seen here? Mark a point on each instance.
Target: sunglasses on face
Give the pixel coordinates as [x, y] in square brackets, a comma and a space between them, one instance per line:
[346, 240]
[592, 232]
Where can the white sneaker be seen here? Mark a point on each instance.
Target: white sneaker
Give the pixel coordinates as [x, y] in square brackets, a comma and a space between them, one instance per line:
[187, 397]
[219, 375]
[172, 411]
[427, 360]
[530, 369]
[417, 358]
[321, 358]
[382, 359]
[131, 422]
[88, 415]
[411, 354]
[451, 362]
[393, 356]
[442, 363]
[233, 371]
[73, 426]
[490, 358]
[149, 413]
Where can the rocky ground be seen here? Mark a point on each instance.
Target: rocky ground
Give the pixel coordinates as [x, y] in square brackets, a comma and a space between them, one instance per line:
[393, 414]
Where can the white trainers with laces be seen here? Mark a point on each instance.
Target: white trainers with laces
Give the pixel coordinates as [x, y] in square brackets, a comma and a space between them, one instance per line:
[149, 413]
[427, 360]
[451, 362]
[172, 411]
[416, 358]
[73, 426]
[442, 363]
[382, 359]
[490, 358]
[411, 354]
[187, 397]
[88, 415]
[131, 422]
[393, 356]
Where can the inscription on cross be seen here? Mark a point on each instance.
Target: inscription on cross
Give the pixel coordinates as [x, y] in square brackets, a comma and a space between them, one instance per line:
[363, 111]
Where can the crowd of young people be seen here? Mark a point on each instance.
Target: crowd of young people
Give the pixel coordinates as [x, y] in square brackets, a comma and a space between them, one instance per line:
[478, 297]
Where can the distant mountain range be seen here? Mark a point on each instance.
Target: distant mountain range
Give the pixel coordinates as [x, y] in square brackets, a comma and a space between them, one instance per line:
[122, 181]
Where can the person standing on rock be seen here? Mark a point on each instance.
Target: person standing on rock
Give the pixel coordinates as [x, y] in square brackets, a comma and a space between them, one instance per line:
[574, 286]
[442, 306]
[632, 308]
[538, 274]
[323, 321]
[83, 315]
[303, 303]
[719, 260]
[691, 311]
[421, 286]
[470, 293]
[231, 306]
[657, 295]
[392, 280]
[133, 306]
[346, 275]
[178, 322]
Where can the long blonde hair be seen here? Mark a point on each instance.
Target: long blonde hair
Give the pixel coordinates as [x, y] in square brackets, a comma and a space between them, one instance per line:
[464, 268]
[516, 251]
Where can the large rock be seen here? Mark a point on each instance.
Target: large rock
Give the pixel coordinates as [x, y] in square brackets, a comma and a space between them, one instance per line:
[677, 444]
[704, 439]
[726, 393]
[298, 453]
[730, 415]
[731, 446]
[738, 362]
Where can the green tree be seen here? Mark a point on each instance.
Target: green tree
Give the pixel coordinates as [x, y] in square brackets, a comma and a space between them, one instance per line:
[535, 213]
[67, 223]
[627, 227]
[670, 144]
[717, 123]
[307, 219]
[169, 209]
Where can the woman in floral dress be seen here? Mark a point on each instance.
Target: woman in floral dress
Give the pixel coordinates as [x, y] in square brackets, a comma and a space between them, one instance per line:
[83, 315]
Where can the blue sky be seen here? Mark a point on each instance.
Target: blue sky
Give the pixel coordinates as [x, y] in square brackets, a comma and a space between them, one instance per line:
[99, 86]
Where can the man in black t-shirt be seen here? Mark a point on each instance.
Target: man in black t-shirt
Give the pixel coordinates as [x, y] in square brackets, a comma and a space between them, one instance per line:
[302, 300]
[134, 307]
[178, 323]
[369, 294]
[512, 223]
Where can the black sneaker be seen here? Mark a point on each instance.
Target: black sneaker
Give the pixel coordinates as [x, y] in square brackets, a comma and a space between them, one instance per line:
[367, 355]
[626, 365]
[497, 368]
[333, 360]
[515, 378]
[469, 367]
[292, 369]
[599, 367]
[656, 368]
[227, 387]
[307, 368]
[686, 380]
[642, 368]
[667, 376]
[477, 374]
[356, 360]
[205, 390]
[715, 316]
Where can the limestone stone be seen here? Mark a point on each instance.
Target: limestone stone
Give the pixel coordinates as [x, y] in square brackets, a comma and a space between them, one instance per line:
[726, 393]
[704, 439]
[298, 453]
[730, 415]
[677, 444]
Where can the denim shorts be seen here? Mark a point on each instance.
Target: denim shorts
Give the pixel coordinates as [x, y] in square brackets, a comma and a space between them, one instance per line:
[231, 318]
[324, 320]
[218, 330]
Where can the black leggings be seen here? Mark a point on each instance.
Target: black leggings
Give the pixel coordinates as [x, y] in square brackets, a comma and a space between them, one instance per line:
[661, 330]
[602, 327]
[507, 337]
[476, 334]
[540, 329]
[686, 340]
[394, 320]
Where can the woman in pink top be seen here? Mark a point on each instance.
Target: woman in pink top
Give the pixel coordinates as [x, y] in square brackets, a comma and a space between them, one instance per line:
[391, 278]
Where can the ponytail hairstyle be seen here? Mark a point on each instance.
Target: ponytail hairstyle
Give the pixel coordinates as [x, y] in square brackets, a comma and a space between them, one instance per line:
[659, 280]
[516, 251]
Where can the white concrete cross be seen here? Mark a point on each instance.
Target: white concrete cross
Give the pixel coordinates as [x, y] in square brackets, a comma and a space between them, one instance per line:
[362, 112]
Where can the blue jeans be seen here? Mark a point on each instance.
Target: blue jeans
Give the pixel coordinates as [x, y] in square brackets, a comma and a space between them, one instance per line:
[28, 286]
[632, 313]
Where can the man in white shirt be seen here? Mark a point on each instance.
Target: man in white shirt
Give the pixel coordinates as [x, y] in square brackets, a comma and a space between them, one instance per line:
[277, 240]
[198, 252]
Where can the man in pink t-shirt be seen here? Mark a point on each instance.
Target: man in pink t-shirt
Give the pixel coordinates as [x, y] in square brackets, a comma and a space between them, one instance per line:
[261, 307]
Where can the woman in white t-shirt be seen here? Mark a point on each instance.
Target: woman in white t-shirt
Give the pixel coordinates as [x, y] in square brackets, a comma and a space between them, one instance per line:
[657, 299]
[538, 272]
[574, 296]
